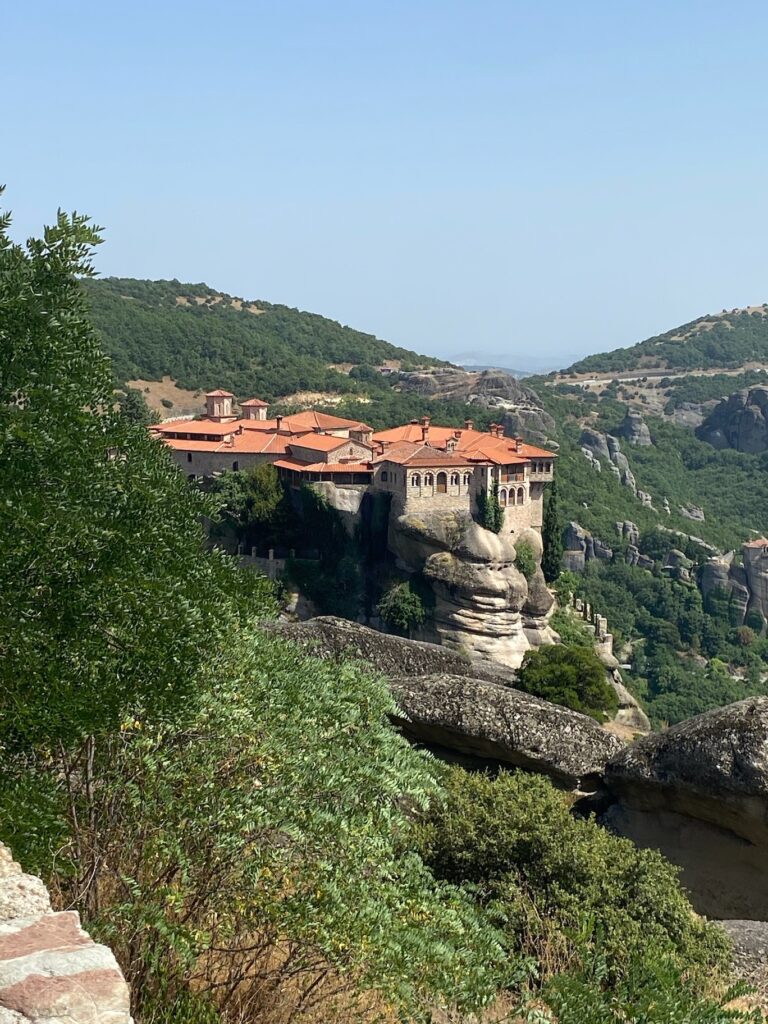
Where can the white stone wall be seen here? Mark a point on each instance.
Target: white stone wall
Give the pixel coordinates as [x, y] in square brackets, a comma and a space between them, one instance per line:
[208, 463]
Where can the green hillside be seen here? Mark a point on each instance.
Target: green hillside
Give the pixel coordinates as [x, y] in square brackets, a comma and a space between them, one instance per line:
[204, 338]
[722, 340]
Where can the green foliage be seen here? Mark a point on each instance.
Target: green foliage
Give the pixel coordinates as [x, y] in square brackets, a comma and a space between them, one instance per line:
[557, 883]
[731, 339]
[259, 350]
[571, 630]
[132, 405]
[655, 991]
[402, 609]
[490, 512]
[552, 535]
[569, 675]
[525, 559]
[253, 505]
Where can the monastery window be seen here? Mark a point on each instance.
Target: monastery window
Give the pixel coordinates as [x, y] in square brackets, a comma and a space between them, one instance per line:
[503, 497]
[442, 483]
[455, 480]
[189, 456]
[429, 480]
[467, 479]
[384, 476]
[235, 465]
[416, 480]
[520, 496]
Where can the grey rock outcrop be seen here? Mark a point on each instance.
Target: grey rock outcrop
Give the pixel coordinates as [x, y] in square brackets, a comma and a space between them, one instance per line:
[635, 430]
[596, 443]
[339, 640]
[755, 555]
[51, 971]
[581, 547]
[497, 723]
[739, 421]
[692, 512]
[699, 792]
[746, 586]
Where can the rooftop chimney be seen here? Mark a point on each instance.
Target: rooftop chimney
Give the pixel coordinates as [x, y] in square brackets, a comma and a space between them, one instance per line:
[518, 444]
[278, 422]
[469, 424]
[425, 429]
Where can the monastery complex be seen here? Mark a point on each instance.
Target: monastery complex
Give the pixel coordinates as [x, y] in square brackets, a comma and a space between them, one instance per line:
[422, 466]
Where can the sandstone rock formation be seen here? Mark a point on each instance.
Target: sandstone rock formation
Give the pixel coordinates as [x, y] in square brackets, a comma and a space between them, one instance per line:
[739, 421]
[492, 722]
[746, 586]
[699, 792]
[581, 547]
[481, 598]
[51, 971]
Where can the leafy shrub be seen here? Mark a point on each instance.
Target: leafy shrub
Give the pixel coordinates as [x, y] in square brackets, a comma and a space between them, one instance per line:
[525, 560]
[571, 676]
[401, 608]
[559, 884]
[571, 630]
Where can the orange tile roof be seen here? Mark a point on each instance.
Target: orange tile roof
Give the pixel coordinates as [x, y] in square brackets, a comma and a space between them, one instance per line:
[201, 426]
[245, 443]
[466, 441]
[324, 467]
[319, 442]
[407, 453]
[254, 401]
[218, 393]
[758, 542]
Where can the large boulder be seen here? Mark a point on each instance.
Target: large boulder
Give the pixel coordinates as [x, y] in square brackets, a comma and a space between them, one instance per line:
[699, 792]
[497, 723]
[339, 640]
[596, 443]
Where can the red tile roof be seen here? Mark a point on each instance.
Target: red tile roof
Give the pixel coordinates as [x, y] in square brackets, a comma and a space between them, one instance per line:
[201, 426]
[406, 453]
[218, 393]
[324, 467]
[321, 442]
[253, 401]
[758, 542]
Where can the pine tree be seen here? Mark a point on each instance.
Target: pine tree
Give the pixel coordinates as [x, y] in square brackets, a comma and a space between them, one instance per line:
[552, 536]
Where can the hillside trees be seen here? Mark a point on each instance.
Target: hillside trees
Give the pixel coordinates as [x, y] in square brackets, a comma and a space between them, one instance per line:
[569, 675]
[188, 782]
[552, 535]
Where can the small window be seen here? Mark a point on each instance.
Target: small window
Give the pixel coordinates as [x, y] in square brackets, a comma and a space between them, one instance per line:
[189, 456]
[520, 496]
[455, 480]
[467, 479]
[503, 497]
[428, 479]
[235, 465]
[384, 476]
[416, 480]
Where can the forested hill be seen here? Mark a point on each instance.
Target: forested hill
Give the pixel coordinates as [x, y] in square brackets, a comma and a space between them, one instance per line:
[721, 340]
[204, 338]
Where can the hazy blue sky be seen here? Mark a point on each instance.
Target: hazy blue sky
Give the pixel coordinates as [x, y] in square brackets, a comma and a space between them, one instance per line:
[534, 180]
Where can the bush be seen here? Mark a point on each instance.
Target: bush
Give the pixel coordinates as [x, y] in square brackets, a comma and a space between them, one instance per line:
[401, 609]
[571, 676]
[525, 560]
[571, 630]
[558, 884]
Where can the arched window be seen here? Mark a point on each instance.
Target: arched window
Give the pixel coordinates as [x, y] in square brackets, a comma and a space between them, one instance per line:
[416, 480]
[428, 480]
[454, 480]
[384, 476]
[520, 496]
[503, 497]
[467, 479]
[442, 483]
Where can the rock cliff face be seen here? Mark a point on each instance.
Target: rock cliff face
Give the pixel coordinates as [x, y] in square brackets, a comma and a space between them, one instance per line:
[488, 389]
[635, 430]
[739, 421]
[746, 585]
[699, 792]
[51, 971]
[484, 605]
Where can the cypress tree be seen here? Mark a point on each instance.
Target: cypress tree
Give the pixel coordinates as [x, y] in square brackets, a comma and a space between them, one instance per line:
[552, 536]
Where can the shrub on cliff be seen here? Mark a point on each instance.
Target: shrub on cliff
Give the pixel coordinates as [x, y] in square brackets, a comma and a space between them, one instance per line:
[563, 887]
[401, 609]
[572, 676]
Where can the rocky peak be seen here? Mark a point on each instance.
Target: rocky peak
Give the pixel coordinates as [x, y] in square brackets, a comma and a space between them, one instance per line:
[739, 421]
